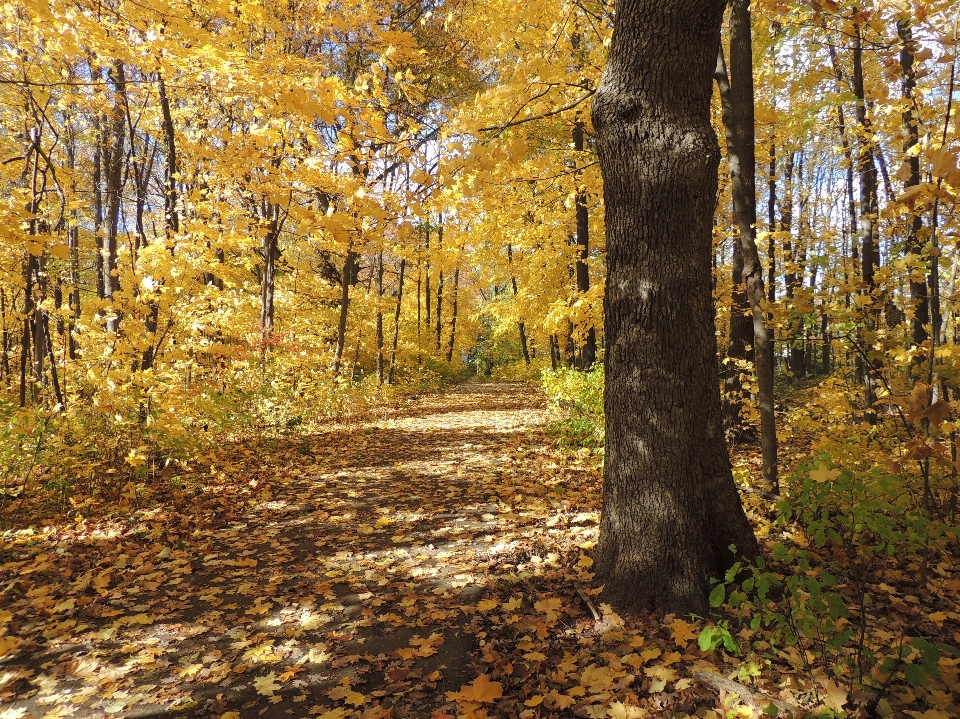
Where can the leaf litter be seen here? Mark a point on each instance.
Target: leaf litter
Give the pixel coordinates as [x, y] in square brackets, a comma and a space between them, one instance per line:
[433, 562]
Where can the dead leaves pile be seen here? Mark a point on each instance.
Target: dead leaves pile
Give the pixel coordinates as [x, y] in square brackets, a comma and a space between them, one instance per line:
[436, 563]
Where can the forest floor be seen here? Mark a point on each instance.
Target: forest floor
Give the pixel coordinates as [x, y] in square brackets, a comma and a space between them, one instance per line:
[432, 561]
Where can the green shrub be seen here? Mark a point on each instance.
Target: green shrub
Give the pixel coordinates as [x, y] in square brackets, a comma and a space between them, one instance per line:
[843, 532]
[577, 397]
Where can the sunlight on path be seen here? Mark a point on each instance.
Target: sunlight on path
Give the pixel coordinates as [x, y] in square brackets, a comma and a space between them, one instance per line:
[352, 584]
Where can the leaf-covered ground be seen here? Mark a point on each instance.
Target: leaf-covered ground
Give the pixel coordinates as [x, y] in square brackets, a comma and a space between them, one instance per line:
[433, 562]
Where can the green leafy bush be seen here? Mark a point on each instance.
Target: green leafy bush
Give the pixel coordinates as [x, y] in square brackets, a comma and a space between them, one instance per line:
[577, 397]
[843, 533]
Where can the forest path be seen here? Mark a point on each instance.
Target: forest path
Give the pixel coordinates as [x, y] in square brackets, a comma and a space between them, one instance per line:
[346, 573]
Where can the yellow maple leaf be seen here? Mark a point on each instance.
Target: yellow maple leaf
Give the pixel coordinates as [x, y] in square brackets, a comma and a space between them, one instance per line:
[671, 657]
[267, 685]
[661, 672]
[356, 699]
[822, 474]
[652, 653]
[683, 632]
[481, 690]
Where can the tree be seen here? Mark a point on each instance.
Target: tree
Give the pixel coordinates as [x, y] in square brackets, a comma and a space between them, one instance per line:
[670, 507]
[738, 119]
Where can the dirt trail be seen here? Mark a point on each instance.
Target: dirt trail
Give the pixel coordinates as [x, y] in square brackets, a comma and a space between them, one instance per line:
[351, 581]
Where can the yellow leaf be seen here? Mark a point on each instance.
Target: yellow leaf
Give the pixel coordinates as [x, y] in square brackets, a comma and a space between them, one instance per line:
[267, 685]
[651, 653]
[487, 604]
[534, 701]
[356, 699]
[482, 690]
[671, 657]
[683, 633]
[822, 474]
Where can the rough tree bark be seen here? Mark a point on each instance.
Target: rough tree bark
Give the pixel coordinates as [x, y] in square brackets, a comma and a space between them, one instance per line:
[670, 506]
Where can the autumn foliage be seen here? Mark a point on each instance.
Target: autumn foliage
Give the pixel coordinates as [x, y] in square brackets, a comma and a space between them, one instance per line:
[241, 242]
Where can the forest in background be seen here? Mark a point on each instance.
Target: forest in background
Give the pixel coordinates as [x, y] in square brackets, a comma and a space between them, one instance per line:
[237, 216]
[231, 220]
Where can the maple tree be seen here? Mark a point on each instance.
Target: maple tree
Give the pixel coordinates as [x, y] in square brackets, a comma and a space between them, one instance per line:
[242, 244]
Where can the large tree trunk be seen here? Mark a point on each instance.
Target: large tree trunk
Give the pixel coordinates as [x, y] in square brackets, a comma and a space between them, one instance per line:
[670, 506]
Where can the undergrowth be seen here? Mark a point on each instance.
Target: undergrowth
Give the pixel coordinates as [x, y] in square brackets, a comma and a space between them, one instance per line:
[96, 456]
[577, 400]
[857, 553]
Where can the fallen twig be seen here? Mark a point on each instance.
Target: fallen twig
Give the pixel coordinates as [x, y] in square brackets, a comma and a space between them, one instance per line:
[586, 600]
[747, 695]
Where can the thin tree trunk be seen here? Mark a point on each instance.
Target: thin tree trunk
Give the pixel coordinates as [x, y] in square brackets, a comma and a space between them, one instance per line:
[588, 351]
[170, 169]
[554, 353]
[380, 357]
[868, 227]
[28, 309]
[523, 330]
[912, 244]
[743, 175]
[171, 217]
[346, 277]
[453, 318]
[268, 281]
[797, 362]
[772, 226]
[114, 167]
[439, 287]
[426, 285]
[98, 157]
[740, 335]
[396, 320]
[54, 378]
[5, 343]
[419, 324]
[671, 509]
